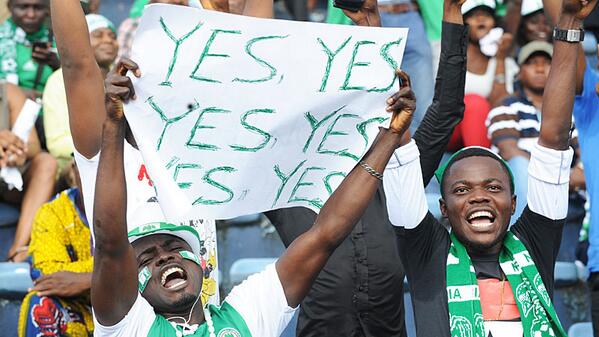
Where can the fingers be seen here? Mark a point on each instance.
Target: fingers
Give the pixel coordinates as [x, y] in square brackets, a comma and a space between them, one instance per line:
[404, 78]
[122, 85]
[125, 65]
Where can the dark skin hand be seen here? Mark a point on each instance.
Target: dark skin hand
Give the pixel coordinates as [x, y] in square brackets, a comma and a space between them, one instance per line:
[367, 16]
[63, 284]
[46, 56]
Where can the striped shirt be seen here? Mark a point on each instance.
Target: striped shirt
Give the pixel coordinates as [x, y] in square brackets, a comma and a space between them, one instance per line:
[517, 118]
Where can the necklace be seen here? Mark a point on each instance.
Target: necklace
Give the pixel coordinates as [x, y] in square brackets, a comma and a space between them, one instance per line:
[208, 319]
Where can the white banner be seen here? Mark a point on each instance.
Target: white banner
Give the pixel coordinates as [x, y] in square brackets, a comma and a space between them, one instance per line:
[237, 115]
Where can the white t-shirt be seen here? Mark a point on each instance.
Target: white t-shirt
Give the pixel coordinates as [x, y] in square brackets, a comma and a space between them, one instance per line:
[483, 84]
[139, 191]
[259, 305]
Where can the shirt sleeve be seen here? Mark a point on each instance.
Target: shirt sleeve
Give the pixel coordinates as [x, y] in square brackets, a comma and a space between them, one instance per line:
[137, 322]
[261, 302]
[406, 201]
[88, 169]
[548, 178]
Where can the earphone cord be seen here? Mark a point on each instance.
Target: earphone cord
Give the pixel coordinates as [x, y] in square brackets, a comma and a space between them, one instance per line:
[186, 321]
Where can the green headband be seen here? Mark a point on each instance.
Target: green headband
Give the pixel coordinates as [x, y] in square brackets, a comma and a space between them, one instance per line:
[443, 167]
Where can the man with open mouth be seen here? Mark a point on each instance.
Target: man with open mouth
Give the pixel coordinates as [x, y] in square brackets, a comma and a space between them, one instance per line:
[482, 279]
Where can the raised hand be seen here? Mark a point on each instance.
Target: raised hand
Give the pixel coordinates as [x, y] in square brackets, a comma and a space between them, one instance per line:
[119, 88]
[504, 46]
[579, 8]
[402, 104]
[368, 15]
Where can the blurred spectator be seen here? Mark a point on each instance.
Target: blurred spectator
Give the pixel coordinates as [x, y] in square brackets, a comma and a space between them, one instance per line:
[513, 127]
[56, 115]
[27, 56]
[38, 169]
[61, 267]
[534, 24]
[489, 78]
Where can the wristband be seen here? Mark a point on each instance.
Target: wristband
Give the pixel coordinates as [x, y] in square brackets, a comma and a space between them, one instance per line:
[499, 78]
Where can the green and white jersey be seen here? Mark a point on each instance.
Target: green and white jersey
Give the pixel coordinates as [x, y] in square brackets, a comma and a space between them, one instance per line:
[255, 308]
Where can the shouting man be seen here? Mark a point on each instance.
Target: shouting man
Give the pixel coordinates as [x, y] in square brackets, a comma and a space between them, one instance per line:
[483, 279]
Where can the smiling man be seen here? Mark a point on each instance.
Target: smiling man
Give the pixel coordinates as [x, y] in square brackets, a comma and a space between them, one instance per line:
[483, 279]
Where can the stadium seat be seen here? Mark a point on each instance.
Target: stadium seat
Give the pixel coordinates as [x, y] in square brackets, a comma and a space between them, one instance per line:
[242, 268]
[14, 280]
[566, 274]
[581, 330]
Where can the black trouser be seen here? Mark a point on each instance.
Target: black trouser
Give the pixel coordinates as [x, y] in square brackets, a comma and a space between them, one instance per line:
[359, 292]
[594, 288]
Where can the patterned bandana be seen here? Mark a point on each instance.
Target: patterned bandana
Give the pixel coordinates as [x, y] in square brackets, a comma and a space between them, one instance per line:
[465, 314]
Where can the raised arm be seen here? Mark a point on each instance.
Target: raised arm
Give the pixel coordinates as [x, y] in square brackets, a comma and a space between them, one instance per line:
[82, 76]
[114, 281]
[558, 98]
[447, 109]
[307, 255]
[552, 9]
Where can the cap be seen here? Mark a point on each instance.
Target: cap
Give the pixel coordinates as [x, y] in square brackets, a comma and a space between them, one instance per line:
[149, 220]
[531, 6]
[472, 4]
[534, 47]
[97, 21]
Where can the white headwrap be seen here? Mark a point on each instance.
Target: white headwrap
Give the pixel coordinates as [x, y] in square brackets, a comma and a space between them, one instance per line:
[96, 21]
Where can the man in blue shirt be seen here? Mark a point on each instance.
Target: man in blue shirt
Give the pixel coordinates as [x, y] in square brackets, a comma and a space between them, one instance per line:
[586, 106]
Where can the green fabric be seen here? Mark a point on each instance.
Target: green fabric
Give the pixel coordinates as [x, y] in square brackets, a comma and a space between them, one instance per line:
[465, 314]
[138, 8]
[432, 15]
[227, 323]
[441, 169]
[16, 64]
[336, 16]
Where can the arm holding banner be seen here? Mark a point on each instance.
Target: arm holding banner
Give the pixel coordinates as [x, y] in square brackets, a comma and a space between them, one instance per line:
[447, 109]
[307, 255]
[114, 275]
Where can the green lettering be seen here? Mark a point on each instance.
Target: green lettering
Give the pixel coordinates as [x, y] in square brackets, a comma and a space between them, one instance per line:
[391, 62]
[293, 198]
[248, 50]
[352, 64]
[198, 125]
[328, 177]
[330, 56]
[331, 132]
[208, 179]
[284, 179]
[178, 168]
[206, 53]
[178, 43]
[254, 129]
[362, 128]
[315, 124]
[168, 121]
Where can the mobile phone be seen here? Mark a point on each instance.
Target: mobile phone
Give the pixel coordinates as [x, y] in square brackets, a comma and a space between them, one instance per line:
[39, 45]
[350, 5]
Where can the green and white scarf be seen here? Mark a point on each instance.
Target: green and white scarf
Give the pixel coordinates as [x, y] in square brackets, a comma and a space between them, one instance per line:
[15, 47]
[465, 314]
